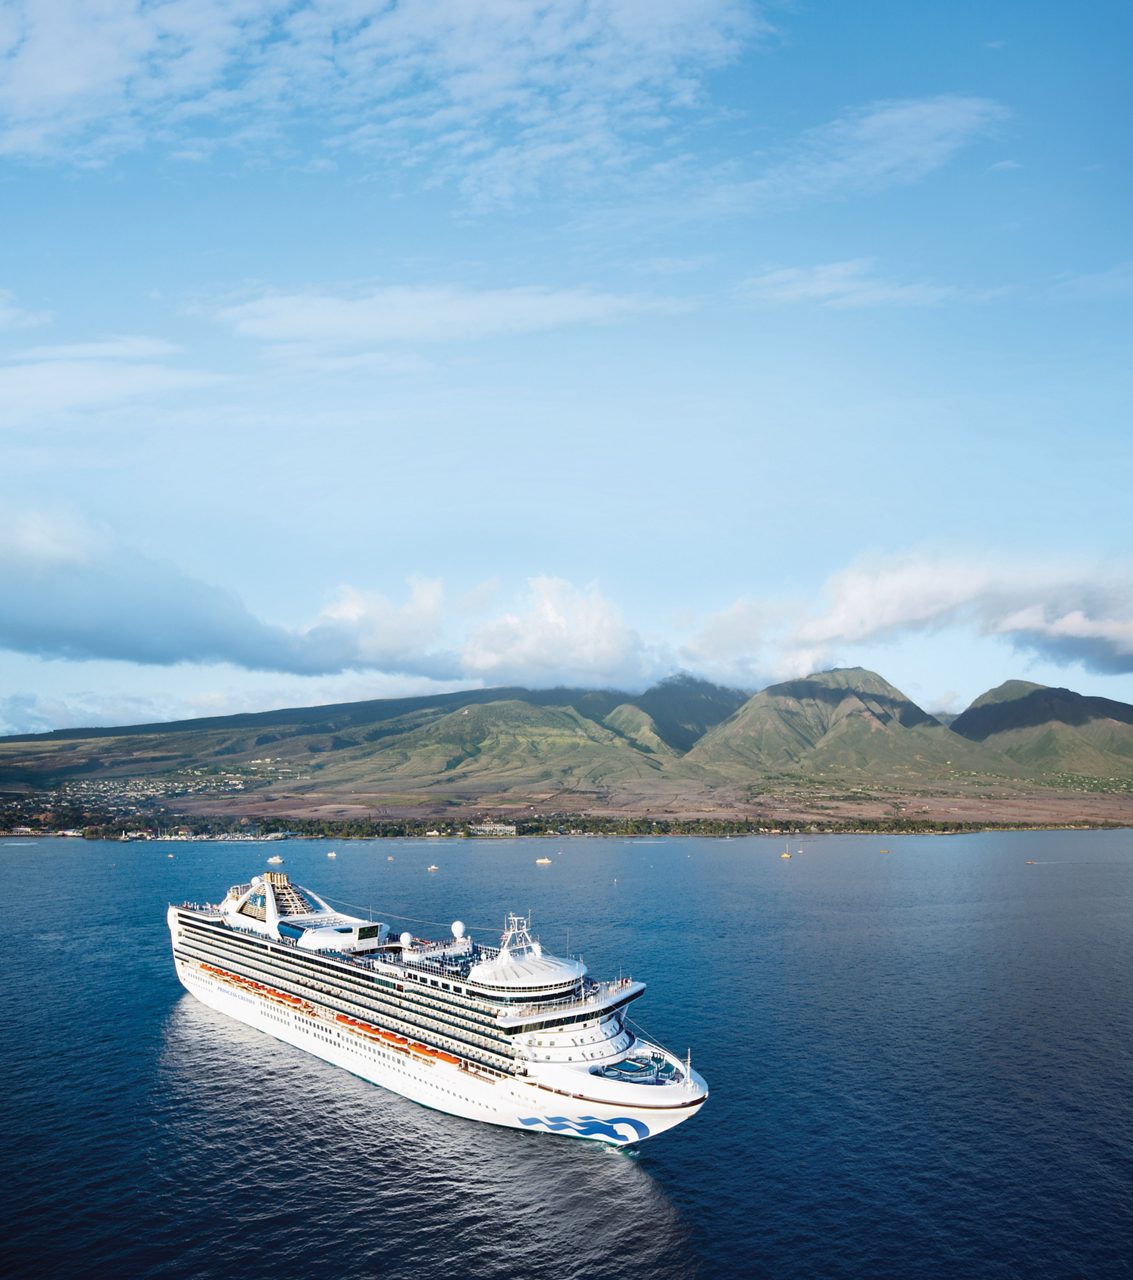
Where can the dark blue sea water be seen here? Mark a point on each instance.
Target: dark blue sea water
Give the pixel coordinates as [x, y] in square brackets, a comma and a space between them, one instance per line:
[921, 1064]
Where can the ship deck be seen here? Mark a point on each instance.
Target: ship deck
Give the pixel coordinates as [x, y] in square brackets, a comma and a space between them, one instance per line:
[590, 996]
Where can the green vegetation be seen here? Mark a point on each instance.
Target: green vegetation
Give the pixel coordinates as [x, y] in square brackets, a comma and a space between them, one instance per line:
[840, 723]
[844, 750]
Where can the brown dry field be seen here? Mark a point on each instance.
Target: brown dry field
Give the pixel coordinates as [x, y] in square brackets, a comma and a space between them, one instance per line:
[980, 806]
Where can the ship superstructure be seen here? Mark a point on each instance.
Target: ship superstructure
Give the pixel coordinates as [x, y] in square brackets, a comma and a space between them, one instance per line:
[511, 1034]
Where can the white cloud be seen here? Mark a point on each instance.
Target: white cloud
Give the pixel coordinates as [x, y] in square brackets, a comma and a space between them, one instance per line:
[1113, 282]
[1067, 613]
[124, 347]
[396, 314]
[70, 592]
[872, 599]
[48, 380]
[731, 638]
[561, 633]
[42, 540]
[366, 630]
[14, 317]
[491, 92]
[675, 266]
[746, 645]
[840, 285]
[1064, 613]
[880, 145]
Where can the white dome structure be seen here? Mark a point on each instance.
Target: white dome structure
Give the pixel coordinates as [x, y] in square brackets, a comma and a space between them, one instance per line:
[520, 964]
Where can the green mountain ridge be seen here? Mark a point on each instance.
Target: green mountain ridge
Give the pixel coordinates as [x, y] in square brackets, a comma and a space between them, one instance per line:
[377, 741]
[1052, 731]
[681, 707]
[848, 721]
[1008, 691]
[570, 747]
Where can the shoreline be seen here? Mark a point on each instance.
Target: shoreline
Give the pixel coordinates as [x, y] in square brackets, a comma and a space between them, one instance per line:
[656, 831]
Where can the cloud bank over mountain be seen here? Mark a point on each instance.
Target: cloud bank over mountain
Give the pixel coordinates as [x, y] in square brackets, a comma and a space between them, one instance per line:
[69, 592]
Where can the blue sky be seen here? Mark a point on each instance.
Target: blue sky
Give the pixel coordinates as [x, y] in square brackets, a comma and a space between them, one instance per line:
[350, 349]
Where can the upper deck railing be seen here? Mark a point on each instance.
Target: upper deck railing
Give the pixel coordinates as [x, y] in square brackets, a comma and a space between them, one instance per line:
[594, 995]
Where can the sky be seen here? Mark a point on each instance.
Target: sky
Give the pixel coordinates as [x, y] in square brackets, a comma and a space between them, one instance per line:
[354, 349]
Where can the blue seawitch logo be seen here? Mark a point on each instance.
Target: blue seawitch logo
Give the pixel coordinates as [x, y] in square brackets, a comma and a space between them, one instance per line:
[591, 1127]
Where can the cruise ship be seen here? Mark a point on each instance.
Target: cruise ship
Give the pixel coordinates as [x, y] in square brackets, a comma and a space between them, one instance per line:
[511, 1035]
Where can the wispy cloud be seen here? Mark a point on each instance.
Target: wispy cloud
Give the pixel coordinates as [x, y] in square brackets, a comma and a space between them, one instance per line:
[16, 317]
[493, 94]
[869, 148]
[882, 144]
[1112, 282]
[396, 315]
[45, 380]
[125, 347]
[840, 285]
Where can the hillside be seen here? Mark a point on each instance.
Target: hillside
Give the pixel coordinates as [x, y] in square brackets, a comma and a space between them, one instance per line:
[842, 745]
[1052, 731]
[683, 708]
[657, 722]
[848, 722]
[640, 729]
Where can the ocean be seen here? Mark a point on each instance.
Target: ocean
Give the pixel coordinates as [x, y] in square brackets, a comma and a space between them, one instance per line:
[921, 1064]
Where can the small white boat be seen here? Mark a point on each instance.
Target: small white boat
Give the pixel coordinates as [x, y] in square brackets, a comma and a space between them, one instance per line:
[332, 854]
[785, 854]
[275, 860]
[542, 862]
[434, 867]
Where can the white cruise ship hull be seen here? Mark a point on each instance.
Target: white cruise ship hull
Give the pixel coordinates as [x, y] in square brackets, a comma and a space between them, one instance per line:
[508, 1101]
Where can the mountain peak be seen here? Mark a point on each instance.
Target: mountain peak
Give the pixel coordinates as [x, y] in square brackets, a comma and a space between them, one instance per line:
[1008, 691]
[848, 719]
[1035, 707]
[835, 686]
